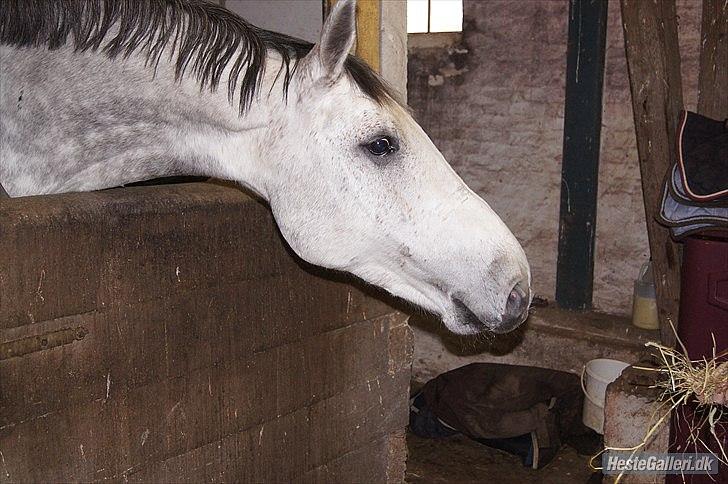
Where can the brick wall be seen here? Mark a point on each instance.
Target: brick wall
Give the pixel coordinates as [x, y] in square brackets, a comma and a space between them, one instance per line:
[493, 104]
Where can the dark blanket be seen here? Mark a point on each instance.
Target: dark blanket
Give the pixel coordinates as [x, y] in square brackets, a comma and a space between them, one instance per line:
[703, 157]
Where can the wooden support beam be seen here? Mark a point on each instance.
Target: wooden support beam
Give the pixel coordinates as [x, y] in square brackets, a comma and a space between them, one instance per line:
[580, 165]
[367, 32]
[653, 60]
[713, 79]
[368, 21]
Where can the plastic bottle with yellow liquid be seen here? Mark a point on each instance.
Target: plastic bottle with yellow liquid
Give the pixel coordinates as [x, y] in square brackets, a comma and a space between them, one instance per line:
[644, 302]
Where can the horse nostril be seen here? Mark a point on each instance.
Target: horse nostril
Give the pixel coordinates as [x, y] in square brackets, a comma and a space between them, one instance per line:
[516, 305]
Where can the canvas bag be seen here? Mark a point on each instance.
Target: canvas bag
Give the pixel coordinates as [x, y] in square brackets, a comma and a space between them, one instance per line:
[523, 410]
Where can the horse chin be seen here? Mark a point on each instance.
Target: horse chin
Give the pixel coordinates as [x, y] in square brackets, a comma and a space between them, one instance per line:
[463, 321]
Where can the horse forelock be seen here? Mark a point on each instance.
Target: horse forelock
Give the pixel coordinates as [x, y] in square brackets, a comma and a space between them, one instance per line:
[206, 38]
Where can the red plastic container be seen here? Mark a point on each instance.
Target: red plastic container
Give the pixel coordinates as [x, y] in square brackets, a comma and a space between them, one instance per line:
[703, 311]
[704, 295]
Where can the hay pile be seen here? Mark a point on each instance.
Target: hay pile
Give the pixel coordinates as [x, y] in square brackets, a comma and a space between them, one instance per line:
[683, 381]
[704, 380]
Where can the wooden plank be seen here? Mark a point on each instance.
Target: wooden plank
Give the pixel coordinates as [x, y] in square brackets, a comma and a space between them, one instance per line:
[368, 36]
[153, 350]
[368, 463]
[580, 165]
[111, 425]
[713, 78]
[367, 32]
[178, 432]
[653, 60]
[179, 374]
[142, 244]
[273, 451]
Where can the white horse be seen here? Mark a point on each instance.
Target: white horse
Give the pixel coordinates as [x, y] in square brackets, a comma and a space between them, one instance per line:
[99, 93]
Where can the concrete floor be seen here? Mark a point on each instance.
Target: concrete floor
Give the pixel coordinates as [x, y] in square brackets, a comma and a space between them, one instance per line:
[459, 459]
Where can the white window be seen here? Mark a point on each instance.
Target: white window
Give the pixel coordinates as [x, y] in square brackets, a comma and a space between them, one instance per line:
[425, 16]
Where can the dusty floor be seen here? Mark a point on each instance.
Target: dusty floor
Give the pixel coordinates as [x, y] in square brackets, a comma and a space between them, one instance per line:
[459, 459]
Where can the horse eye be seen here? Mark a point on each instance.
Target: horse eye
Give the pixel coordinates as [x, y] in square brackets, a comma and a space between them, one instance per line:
[382, 146]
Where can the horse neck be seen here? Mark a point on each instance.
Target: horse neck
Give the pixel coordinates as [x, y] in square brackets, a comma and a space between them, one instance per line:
[117, 123]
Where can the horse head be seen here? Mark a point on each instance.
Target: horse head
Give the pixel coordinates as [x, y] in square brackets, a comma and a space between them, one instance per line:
[375, 197]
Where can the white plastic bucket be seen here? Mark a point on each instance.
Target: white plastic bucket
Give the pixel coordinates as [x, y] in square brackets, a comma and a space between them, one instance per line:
[595, 376]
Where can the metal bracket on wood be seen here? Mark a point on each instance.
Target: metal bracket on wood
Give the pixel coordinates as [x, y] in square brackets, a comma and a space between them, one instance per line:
[42, 342]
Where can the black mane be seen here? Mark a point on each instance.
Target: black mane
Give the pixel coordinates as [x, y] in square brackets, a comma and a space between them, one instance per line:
[207, 36]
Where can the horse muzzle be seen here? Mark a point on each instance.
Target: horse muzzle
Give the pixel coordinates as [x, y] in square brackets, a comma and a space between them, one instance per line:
[516, 312]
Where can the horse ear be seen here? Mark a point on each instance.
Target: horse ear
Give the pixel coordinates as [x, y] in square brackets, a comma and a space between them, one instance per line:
[337, 38]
